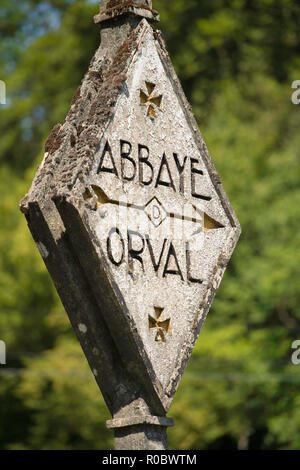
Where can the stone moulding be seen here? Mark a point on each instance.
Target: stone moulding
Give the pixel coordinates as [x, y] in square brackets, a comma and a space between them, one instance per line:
[127, 7]
[135, 420]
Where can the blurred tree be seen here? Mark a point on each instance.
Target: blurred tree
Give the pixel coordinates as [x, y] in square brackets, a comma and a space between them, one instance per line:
[236, 60]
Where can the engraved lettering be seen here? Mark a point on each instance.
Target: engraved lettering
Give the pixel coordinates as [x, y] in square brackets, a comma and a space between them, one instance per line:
[125, 151]
[180, 169]
[112, 169]
[190, 278]
[195, 171]
[144, 160]
[155, 265]
[133, 253]
[172, 253]
[109, 248]
[164, 165]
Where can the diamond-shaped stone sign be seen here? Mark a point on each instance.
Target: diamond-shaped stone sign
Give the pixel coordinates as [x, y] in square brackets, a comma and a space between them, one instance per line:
[131, 219]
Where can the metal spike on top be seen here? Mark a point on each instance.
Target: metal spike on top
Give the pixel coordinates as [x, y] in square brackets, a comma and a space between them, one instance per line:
[110, 9]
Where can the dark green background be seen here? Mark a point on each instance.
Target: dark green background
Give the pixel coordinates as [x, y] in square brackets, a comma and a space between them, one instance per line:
[236, 60]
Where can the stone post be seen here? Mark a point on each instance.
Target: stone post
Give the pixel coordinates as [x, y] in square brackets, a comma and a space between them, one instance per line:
[131, 220]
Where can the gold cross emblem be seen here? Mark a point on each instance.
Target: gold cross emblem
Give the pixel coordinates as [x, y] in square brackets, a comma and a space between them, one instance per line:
[163, 327]
[153, 102]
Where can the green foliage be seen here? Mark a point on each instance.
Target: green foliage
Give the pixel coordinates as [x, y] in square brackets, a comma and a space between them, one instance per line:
[236, 61]
[60, 390]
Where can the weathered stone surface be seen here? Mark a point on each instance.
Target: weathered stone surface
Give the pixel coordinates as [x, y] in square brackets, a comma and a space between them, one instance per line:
[131, 219]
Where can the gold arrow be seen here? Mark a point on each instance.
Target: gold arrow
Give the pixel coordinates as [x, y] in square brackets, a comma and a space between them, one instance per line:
[208, 224]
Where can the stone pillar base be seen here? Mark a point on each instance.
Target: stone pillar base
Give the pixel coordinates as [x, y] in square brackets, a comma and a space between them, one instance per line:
[141, 432]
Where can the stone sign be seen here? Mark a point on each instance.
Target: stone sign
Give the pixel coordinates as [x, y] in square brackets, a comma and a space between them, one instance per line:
[131, 219]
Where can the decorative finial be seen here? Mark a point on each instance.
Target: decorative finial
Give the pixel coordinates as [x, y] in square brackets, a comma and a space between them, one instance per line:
[110, 9]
